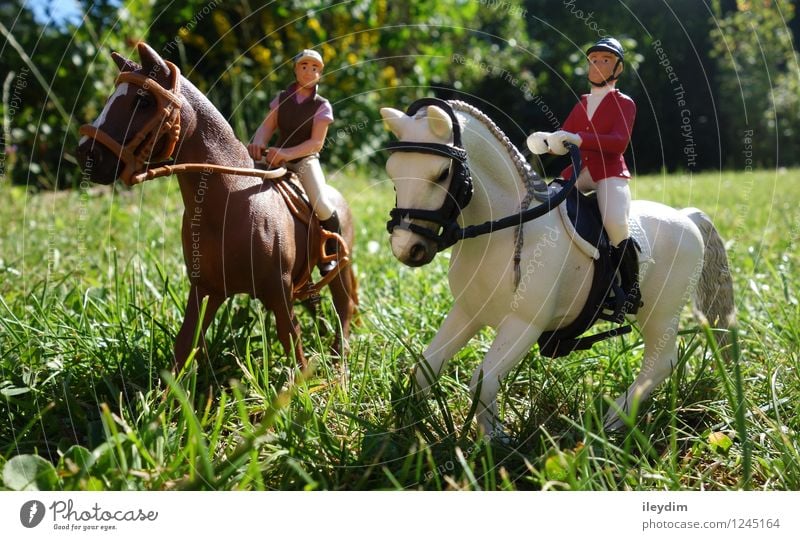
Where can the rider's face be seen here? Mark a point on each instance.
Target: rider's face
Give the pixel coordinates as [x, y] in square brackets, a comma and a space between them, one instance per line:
[601, 66]
[308, 73]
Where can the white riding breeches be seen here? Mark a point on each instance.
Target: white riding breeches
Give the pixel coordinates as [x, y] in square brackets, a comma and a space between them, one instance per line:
[614, 200]
[309, 171]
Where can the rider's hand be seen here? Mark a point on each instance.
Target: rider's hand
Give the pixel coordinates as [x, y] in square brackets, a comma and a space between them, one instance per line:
[255, 150]
[557, 140]
[537, 142]
[275, 157]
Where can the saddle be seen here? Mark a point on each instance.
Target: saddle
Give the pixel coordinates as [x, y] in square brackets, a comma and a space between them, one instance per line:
[297, 201]
[605, 300]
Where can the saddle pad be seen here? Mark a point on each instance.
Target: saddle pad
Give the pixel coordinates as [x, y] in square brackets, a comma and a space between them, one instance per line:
[588, 235]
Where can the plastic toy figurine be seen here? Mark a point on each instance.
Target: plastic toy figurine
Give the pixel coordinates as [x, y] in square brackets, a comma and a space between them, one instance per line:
[301, 117]
[600, 125]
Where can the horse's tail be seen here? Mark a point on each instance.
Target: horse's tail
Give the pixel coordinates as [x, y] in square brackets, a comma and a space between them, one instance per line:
[713, 296]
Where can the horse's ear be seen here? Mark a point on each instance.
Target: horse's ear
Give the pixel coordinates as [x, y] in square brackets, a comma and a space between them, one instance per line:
[152, 63]
[439, 122]
[123, 63]
[393, 120]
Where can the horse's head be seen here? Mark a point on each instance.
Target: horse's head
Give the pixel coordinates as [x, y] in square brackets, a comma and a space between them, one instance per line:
[429, 194]
[140, 123]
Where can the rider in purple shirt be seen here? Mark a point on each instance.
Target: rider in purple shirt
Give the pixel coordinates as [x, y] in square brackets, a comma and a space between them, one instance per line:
[301, 118]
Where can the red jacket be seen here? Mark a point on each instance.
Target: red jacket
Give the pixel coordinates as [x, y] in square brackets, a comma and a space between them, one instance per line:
[605, 137]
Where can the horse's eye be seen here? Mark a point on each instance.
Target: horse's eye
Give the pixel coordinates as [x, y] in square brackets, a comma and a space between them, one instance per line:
[443, 176]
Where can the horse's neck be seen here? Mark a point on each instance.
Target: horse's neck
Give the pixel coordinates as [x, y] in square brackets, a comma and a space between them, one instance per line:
[498, 188]
[209, 139]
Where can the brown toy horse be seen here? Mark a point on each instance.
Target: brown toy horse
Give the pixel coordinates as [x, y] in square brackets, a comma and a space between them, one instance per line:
[239, 234]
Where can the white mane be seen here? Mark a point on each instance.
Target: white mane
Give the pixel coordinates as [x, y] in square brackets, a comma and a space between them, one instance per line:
[534, 186]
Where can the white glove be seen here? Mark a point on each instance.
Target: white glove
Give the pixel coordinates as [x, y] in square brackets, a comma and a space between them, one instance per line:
[537, 142]
[556, 141]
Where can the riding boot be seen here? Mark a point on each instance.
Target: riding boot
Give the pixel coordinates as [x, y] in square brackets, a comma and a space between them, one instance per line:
[626, 259]
[331, 245]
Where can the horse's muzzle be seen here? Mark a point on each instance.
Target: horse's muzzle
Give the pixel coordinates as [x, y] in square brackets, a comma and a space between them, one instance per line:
[99, 164]
[411, 249]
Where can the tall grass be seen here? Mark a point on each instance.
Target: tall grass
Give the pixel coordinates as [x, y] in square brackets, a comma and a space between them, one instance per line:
[92, 286]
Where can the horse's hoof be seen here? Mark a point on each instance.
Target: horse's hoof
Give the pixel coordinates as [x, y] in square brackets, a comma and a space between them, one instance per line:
[498, 437]
[613, 424]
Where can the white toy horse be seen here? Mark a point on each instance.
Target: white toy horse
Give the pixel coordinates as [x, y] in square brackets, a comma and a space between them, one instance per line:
[556, 273]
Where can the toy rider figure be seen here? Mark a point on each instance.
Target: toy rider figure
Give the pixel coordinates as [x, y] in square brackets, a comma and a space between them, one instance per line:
[301, 117]
[600, 125]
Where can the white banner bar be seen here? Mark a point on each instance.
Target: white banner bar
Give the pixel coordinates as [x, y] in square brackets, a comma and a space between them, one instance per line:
[388, 515]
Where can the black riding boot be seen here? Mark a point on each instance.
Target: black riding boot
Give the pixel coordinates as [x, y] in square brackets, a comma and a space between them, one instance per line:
[331, 246]
[626, 258]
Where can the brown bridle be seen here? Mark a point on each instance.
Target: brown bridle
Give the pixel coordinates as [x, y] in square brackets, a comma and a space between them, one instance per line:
[137, 154]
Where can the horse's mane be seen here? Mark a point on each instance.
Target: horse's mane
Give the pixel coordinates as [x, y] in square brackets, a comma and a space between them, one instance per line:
[534, 185]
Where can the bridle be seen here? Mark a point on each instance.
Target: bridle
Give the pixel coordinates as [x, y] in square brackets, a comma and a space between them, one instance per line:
[137, 154]
[459, 193]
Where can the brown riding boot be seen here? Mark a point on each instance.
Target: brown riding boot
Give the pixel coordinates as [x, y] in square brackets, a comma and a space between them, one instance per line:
[331, 246]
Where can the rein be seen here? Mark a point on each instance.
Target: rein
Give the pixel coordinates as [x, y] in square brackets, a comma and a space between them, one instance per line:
[137, 154]
[460, 191]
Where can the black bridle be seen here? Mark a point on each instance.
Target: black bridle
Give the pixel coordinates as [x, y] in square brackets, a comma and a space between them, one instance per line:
[460, 190]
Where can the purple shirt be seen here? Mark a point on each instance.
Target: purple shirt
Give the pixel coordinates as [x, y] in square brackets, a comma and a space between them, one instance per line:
[324, 112]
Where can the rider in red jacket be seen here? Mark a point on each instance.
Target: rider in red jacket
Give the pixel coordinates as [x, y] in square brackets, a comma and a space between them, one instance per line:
[600, 125]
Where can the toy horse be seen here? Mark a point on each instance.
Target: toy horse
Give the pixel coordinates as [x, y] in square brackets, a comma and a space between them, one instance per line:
[239, 234]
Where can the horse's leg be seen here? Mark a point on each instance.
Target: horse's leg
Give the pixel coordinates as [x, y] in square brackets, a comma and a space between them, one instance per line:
[658, 321]
[660, 356]
[288, 329]
[456, 330]
[343, 290]
[514, 339]
[183, 342]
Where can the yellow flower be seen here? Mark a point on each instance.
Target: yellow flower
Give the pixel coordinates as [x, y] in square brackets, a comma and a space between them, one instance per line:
[261, 54]
[389, 75]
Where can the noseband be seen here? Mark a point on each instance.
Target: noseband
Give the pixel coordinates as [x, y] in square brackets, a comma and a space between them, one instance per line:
[459, 192]
[136, 154]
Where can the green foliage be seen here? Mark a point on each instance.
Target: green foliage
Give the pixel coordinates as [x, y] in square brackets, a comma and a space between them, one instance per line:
[759, 69]
[29, 473]
[520, 61]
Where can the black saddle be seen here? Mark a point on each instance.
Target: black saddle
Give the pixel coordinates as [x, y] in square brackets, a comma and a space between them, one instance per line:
[605, 295]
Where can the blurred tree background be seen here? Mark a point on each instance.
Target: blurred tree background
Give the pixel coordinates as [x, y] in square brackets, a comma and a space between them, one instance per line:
[717, 82]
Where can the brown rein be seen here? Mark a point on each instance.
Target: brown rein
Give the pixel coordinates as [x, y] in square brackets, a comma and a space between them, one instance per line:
[137, 153]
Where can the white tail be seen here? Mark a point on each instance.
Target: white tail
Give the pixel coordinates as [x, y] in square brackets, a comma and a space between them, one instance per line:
[713, 296]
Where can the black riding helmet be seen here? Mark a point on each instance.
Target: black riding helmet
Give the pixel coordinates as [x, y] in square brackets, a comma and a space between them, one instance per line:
[611, 45]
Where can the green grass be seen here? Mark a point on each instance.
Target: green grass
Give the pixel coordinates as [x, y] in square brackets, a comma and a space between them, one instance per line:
[92, 286]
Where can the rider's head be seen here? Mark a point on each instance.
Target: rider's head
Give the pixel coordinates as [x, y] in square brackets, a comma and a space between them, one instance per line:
[308, 66]
[606, 61]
